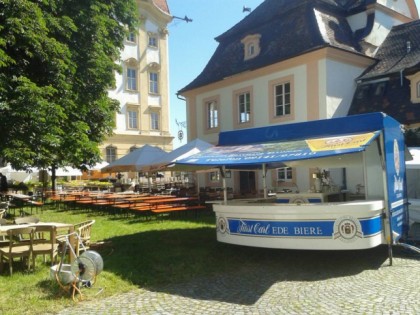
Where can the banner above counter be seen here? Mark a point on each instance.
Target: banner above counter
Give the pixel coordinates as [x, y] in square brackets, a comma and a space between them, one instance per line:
[281, 152]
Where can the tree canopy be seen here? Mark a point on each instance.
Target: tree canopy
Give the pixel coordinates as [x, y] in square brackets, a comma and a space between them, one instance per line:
[57, 62]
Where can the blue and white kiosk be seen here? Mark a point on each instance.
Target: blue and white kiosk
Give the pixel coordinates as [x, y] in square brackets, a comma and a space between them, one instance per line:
[374, 142]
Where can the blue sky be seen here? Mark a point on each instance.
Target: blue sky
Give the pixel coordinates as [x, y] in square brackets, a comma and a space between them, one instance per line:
[191, 45]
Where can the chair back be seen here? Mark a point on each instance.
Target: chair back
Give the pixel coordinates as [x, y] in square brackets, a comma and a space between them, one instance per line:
[14, 235]
[84, 230]
[17, 249]
[2, 212]
[3, 239]
[47, 244]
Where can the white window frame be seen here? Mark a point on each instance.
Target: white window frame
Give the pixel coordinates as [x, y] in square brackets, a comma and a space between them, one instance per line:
[244, 107]
[285, 174]
[131, 79]
[214, 176]
[154, 121]
[212, 111]
[282, 100]
[132, 118]
[131, 37]
[153, 83]
[111, 154]
[152, 41]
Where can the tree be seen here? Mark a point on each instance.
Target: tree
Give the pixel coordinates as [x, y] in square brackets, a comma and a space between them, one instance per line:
[57, 61]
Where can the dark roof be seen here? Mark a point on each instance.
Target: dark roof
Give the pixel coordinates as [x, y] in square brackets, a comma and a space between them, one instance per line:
[393, 55]
[384, 87]
[287, 29]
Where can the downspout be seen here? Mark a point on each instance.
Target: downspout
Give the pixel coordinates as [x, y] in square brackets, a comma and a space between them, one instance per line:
[180, 98]
[401, 77]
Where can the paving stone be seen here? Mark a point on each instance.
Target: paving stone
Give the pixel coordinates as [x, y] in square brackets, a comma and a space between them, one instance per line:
[264, 290]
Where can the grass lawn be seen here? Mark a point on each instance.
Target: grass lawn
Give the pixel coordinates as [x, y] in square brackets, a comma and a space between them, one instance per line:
[137, 253]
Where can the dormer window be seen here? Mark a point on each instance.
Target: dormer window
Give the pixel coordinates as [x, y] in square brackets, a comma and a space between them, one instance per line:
[415, 87]
[251, 46]
[418, 89]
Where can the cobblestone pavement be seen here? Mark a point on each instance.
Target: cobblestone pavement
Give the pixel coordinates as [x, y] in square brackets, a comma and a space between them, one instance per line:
[327, 283]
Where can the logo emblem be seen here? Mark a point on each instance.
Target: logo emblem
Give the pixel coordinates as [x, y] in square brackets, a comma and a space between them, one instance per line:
[222, 226]
[347, 229]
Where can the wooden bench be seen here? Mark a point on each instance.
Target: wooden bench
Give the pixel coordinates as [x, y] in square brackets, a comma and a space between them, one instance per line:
[177, 208]
[36, 204]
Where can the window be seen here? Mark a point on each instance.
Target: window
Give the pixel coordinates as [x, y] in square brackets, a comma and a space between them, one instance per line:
[154, 121]
[131, 79]
[284, 174]
[153, 42]
[251, 46]
[214, 176]
[418, 89]
[111, 154]
[212, 115]
[414, 87]
[133, 119]
[251, 49]
[153, 83]
[282, 102]
[244, 105]
[131, 37]
[380, 89]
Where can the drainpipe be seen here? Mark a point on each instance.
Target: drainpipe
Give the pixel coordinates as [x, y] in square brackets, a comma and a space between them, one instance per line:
[178, 96]
[401, 77]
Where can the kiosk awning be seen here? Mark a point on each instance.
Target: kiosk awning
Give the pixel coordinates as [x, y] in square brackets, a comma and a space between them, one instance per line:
[274, 154]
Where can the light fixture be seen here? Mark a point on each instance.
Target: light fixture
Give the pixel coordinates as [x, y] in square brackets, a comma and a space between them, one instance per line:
[185, 18]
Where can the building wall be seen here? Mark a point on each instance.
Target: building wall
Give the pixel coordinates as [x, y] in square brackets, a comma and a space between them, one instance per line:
[139, 55]
[323, 83]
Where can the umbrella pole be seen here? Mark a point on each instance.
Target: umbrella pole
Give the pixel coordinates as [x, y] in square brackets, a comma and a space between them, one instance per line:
[197, 182]
[148, 182]
[224, 185]
[264, 170]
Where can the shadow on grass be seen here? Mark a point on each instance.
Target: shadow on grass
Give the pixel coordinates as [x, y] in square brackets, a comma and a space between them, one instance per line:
[191, 263]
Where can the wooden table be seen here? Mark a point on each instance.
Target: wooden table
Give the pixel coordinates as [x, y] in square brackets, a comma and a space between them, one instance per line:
[66, 227]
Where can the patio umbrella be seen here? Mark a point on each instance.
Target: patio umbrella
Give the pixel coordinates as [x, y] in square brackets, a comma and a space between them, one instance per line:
[167, 162]
[20, 176]
[136, 160]
[67, 171]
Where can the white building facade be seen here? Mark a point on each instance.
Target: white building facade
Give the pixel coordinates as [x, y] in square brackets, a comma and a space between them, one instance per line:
[143, 86]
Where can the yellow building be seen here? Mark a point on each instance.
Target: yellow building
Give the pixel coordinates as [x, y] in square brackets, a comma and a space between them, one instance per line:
[142, 88]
